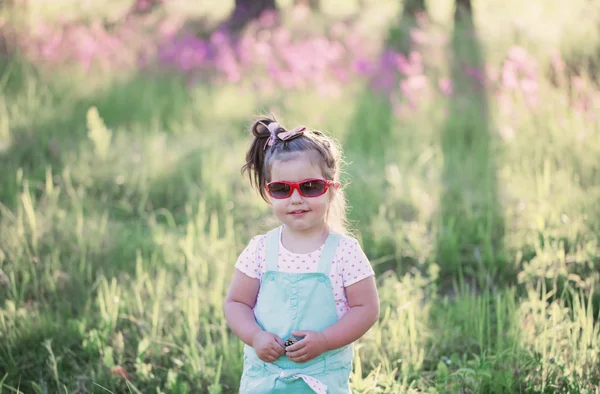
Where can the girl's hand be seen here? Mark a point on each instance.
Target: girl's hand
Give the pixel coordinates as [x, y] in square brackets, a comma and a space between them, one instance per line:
[312, 345]
[268, 346]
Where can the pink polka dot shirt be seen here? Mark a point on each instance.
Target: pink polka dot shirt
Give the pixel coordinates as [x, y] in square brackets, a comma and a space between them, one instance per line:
[349, 265]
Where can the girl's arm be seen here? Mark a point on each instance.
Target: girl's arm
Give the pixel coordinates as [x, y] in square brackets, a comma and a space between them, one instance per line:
[239, 304]
[364, 312]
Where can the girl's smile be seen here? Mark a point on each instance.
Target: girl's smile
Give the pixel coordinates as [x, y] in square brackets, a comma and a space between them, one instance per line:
[299, 213]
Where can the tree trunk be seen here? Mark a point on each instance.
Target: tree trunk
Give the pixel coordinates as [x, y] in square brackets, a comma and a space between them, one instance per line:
[464, 9]
[247, 10]
[399, 35]
[411, 7]
[5, 32]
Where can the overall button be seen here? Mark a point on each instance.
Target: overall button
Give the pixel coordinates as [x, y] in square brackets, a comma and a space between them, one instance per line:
[294, 302]
[271, 277]
[293, 290]
[321, 279]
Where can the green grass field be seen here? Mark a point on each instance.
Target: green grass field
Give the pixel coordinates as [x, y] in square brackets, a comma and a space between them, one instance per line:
[122, 211]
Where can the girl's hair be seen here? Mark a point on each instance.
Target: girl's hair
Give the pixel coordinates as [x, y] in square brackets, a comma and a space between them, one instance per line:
[259, 161]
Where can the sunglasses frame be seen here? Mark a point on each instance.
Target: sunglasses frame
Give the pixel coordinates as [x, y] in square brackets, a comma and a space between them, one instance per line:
[296, 185]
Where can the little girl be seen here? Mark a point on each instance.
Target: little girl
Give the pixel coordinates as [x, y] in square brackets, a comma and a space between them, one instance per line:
[304, 292]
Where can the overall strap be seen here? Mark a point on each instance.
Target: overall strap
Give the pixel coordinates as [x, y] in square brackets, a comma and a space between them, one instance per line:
[328, 253]
[272, 249]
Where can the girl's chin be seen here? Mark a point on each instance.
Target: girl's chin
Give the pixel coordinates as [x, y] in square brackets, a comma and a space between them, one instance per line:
[298, 224]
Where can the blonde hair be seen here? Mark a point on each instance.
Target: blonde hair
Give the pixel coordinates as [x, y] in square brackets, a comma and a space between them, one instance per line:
[259, 161]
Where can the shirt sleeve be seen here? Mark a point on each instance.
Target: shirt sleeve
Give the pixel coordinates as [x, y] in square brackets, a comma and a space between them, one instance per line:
[250, 261]
[355, 264]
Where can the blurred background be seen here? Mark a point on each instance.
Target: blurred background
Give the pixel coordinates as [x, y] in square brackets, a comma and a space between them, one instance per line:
[472, 165]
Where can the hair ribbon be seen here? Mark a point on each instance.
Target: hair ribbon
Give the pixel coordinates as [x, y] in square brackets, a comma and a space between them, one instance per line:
[283, 136]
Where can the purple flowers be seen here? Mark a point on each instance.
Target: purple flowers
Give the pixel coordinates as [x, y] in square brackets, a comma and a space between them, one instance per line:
[445, 85]
[519, 74]
[272, 56]
[87, 46]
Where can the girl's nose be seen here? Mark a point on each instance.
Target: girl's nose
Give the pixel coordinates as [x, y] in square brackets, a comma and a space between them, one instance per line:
[296, 197]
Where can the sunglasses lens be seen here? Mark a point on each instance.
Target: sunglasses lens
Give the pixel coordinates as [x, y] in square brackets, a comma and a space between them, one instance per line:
[279, 190]
[312, 188]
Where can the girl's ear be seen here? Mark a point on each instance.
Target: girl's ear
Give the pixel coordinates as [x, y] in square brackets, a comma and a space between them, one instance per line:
[332, 193]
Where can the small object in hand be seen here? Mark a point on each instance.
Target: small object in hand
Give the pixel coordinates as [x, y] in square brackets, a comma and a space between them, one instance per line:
[290, 341]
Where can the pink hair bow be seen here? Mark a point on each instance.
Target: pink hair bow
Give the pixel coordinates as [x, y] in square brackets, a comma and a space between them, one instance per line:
[284, 136]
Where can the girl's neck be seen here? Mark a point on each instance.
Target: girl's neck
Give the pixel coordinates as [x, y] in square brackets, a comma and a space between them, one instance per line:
[302, 242]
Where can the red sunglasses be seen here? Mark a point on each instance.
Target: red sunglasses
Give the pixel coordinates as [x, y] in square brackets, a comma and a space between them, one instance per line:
[313, 187]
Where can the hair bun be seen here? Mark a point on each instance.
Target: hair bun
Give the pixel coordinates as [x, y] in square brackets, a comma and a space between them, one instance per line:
[263, 128]
[274, 127]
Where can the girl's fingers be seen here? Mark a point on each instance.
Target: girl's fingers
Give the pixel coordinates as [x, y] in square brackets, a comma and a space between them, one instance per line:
[274, 354]
[266, 358]
[277, 345]
[280, 342]
[296, 354]
[280, 350]
[300, 333]
[296, 346]
[301, 359]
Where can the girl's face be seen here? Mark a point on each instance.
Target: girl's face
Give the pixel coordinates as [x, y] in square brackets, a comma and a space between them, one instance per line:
[299, 213]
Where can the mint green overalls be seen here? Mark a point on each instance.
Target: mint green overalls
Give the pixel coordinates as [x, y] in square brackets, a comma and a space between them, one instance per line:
[293, 301]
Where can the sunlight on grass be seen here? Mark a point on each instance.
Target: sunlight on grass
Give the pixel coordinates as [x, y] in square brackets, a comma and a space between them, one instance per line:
[122, 206]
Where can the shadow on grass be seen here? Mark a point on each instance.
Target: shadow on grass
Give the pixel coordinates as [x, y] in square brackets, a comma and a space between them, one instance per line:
[25, 358]
[470, 237]
[476, 325]
[48, 128]
[109, 253]
[52, 124]
[368, 142]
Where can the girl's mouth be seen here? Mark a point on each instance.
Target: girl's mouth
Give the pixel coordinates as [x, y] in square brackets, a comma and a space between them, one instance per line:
[298, 213]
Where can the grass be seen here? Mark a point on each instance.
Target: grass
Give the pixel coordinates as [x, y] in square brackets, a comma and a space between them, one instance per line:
[123, 209]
